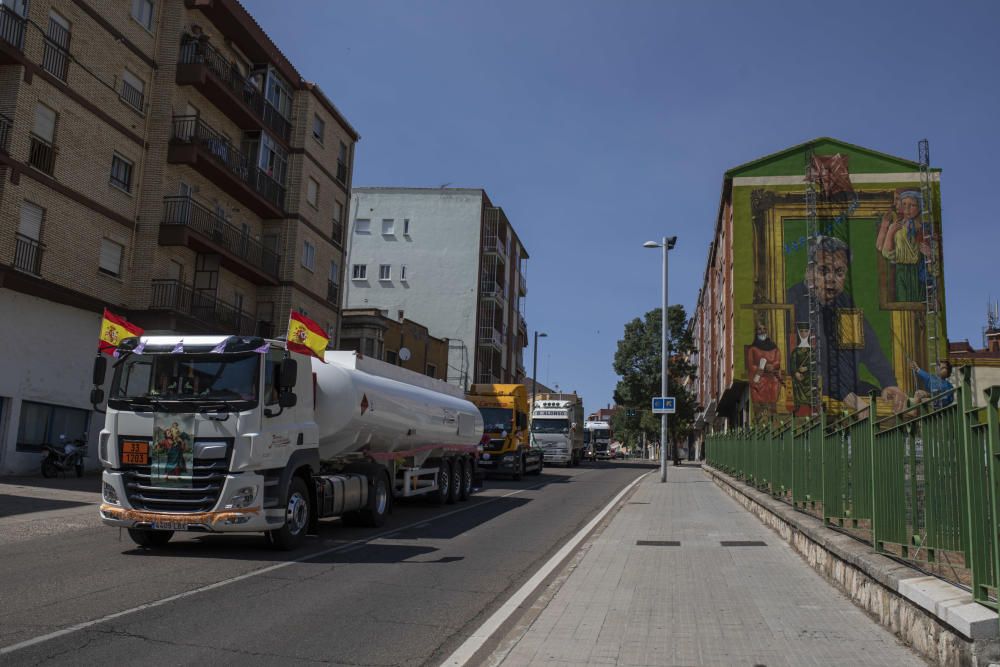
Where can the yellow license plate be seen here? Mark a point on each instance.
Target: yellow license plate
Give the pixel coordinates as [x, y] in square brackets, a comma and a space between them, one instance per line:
[135, 452]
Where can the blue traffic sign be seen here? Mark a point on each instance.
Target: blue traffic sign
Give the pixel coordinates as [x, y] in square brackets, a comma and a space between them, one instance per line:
[664, 405]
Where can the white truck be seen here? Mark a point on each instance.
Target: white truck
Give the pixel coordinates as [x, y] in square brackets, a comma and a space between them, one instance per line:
[557, 428]
[235, 434]
[600, 438]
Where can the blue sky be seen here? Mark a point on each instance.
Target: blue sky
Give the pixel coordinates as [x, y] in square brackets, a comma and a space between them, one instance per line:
[599, 125]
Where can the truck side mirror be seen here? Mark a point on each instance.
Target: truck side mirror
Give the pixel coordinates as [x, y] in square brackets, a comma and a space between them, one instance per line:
[100, 369]
[287, 375]
[287, 399]
[96, 396]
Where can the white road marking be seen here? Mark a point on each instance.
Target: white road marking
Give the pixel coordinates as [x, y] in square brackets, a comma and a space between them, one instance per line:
[464, 653]
[249, 575]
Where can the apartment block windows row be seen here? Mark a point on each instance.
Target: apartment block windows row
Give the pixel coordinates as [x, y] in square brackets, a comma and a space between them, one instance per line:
[360, 272]
[142, 12]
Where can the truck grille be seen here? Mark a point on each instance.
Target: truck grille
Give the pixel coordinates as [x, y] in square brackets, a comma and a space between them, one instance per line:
[206, 485]
[494, 445]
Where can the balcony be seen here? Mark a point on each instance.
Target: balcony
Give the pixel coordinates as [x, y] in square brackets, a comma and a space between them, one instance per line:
[195, 143]
[492, 291]
[201, 308]
[333, 293]
[494, 245]
[28, 254]
[189, 223]
[55, 56]
[490, 337]
[522, 327]
[42, 155]
[6, 124]
[201, 65]
[12, 27]
[522, 284]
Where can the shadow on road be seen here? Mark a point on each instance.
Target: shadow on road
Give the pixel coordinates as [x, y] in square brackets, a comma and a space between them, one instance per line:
[459, 523]
[90, 482]
[14, 505]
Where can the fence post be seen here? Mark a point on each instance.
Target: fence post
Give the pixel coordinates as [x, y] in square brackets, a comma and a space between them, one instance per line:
[872, 415]
[993, 402]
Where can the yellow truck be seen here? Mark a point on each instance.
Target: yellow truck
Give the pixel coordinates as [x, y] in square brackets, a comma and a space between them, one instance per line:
[506, 443]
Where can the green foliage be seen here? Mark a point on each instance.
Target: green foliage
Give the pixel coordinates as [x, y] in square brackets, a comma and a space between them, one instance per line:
[637, 362]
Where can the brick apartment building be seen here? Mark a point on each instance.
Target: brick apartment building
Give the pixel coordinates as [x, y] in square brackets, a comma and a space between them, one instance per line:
[164, 160]
[403, 343]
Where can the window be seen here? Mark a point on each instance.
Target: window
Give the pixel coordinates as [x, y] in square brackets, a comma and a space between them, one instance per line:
[45, 123]
[402, 273]
[308, 255]
[121, 173]
[318, 127]
[41, 423]
[342, 163]
[388, 227]
[359, 272]
[391, 357]
[111, 258]
[334, 273]
[55, 57]
[337, 231]
[385, 272]
[273, 158]
[133, 89]
[278, 94]
[362, 226]
[432, 370]
[406, 226]
[238, 301]
[312, 192]
[30, 225]
[142, 12]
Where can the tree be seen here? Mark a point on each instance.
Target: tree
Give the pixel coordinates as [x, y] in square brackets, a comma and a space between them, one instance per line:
[637, 362]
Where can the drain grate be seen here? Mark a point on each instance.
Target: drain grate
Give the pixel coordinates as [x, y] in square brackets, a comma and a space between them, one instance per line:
[742, 543]
[658, 543]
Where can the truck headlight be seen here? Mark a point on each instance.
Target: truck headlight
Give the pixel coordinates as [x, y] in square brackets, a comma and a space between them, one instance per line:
[242, 498]
[109, 493]
[103, 447]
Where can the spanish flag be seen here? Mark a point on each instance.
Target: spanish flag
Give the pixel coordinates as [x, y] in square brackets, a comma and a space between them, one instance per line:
[115, 329]
[305, 336]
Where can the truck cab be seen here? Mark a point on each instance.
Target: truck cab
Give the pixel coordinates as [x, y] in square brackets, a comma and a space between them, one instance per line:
[507, 448]
[600, 438]
[557, 428]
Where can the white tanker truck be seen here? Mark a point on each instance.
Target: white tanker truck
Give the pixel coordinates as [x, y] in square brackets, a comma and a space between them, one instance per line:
[217, 434]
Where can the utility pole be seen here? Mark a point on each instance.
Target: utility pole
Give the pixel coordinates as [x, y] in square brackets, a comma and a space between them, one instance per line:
[666, 244]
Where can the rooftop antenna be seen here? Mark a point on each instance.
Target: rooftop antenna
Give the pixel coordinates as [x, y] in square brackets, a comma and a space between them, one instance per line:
[442, 187]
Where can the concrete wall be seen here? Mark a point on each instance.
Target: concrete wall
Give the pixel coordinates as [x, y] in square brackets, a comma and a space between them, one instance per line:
[49, 352]
[441, 255]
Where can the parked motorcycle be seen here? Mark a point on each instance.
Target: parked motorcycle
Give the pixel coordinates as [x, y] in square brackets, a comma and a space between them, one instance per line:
[65, 456]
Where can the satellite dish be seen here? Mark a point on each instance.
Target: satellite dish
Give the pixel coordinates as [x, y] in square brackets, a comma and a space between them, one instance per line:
[404, 353]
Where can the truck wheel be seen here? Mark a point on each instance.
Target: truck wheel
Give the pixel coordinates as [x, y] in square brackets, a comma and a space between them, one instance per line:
[440, 496]
[379, 502]
[456, 481]
[465, 491]
[538, 469]
[49, 468]
[296, 523]
[150, 538]
[518, 470]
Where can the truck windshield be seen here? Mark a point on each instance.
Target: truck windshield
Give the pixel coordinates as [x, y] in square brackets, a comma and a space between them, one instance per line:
[200, 378]
[550, 426]
[497, 419]
[602, 434]
[586, 437]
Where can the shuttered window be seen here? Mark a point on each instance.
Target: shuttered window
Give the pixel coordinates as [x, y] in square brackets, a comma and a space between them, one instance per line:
[31, 221]
[45, 123]
[111, 257]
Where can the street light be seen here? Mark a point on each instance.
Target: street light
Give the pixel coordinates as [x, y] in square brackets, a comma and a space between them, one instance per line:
[534, 367]
[667, 244]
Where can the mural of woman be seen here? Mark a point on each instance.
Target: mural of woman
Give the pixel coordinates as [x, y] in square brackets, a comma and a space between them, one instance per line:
[801, 355]
[901, 241]
[764, 372]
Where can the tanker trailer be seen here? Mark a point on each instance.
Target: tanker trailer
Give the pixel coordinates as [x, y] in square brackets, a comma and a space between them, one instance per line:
[235, 434]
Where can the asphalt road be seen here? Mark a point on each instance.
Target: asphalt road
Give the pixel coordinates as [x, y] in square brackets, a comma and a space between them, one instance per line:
[406, 594]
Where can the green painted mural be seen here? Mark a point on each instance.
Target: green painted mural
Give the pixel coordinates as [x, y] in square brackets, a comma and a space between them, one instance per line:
[870, 268]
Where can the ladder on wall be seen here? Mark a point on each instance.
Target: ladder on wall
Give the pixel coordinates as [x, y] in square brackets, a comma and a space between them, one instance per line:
[931, 272]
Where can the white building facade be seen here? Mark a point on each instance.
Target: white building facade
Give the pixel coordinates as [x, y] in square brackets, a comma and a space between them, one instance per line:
[450, 260]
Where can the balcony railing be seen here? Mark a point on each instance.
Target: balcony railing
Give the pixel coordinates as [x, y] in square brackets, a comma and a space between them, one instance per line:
[333, 292]
[28, 254]
[55, 56]
[337, 233]
[522, 283]
[187, 212]
[132, 96]
[12, 27]
[490, 336]
[494, 244]
[42, 155]
[216, 314]
[491, 290]
[193, 130]
[227, 74]
[5, 127]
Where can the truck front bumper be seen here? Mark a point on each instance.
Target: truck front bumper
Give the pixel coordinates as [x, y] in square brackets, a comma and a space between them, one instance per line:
[496, 464]
[116, 510]
[557, 457]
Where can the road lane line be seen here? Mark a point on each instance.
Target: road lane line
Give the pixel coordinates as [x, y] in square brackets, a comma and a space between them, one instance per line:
[479, 637]
[255, 573]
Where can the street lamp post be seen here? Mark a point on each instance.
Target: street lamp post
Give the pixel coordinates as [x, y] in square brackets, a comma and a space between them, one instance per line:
[534, 368]
[667, 244]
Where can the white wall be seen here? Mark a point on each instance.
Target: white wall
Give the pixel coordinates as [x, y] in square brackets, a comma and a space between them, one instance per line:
[441, 254]
[47, 356]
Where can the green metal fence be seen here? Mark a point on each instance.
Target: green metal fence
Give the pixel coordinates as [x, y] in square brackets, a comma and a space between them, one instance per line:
[921, 485]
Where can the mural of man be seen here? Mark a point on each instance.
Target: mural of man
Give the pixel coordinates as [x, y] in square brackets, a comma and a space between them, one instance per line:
[826, 274]
[764, 371]
[901, 241]
[799, 368]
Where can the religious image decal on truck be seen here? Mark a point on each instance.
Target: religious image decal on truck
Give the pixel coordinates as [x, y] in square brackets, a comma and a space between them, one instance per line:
[172, 455]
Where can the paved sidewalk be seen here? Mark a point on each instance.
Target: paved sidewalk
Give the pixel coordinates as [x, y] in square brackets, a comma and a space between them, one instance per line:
[699, 603]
